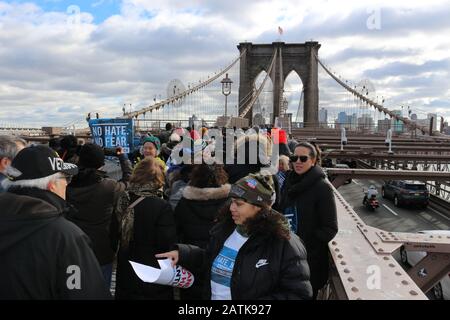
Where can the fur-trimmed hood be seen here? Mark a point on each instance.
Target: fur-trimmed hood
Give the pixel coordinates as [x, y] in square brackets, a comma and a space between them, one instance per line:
[203, 194]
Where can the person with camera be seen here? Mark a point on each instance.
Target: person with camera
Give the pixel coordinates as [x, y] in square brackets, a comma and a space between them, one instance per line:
[94, 197]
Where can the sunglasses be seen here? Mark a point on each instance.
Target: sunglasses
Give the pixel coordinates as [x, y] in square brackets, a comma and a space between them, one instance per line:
[295, 158]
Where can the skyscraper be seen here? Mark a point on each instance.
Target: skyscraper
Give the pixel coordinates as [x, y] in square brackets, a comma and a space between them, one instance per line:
[323, 117]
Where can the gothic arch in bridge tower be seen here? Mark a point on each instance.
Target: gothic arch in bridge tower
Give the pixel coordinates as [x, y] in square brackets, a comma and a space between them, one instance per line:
[293, 87]
[299, 57]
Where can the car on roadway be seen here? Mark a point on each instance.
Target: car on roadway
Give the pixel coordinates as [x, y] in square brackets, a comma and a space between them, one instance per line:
[340, 166]
[404, 192]
[441, 290]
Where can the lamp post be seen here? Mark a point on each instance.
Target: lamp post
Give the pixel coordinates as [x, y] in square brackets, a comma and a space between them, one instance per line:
[285, 106]
[226, 89]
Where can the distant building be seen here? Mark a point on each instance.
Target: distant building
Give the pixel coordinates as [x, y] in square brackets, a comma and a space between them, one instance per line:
[345, 121]
[323, 118]
[342, 118]
[366, 123]
[384, 125]
[435, 118]
[446, 128]
[353, 120]
[397, 125]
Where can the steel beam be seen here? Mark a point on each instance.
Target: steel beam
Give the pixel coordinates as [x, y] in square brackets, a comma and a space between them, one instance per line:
[343, 174]
[360, 272]
[387, 156]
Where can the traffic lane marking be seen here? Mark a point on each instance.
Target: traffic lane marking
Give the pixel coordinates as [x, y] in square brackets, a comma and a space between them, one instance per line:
[390, 210]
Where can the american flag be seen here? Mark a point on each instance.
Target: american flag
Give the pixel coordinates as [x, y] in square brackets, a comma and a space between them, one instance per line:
[280, 31]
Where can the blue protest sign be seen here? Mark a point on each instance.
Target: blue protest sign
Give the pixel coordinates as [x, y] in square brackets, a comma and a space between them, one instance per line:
[112, 133]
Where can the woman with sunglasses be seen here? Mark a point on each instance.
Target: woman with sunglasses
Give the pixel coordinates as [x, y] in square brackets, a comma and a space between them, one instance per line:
[308, 204]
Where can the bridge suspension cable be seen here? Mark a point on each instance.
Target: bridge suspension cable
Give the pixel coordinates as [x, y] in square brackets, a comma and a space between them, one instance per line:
[374, 104]
[300, 104]
[180, 95]
[261, 87]
[281, 93]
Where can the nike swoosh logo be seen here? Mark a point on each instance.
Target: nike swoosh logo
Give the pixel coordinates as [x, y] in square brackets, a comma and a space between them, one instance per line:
[260, 264]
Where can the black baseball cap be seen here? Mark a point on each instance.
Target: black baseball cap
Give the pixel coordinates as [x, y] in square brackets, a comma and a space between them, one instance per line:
[40, 161]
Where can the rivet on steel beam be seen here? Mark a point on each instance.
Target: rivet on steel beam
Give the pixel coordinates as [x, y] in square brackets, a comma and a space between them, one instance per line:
[355, 289]
[391, 265]
[380, 250]
[405, 282]
[340, 256]
[386, 258]
[334, 243]
[350, 279]
[398, 273]
[346, 270]
[337, 250]
[343, 263]
[413, 293]
[375, 243]
[365, 230]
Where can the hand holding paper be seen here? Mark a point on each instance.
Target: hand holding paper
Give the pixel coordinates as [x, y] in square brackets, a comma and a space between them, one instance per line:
[172, 255]
[175, 276]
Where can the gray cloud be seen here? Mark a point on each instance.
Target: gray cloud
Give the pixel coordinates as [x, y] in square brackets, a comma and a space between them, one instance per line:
[407, 69]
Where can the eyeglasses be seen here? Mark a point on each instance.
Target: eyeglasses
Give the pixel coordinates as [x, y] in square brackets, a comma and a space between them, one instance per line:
[295, 158]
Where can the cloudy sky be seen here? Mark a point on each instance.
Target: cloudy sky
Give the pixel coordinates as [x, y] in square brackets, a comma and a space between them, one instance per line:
[61, 59]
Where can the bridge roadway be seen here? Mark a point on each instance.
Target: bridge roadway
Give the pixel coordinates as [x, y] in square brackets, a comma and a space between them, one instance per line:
[389, 217]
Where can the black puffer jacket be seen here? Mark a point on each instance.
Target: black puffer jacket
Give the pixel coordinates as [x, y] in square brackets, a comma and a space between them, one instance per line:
[285, 276]
[95, 196]
[196, 212]
[308, 201]
[41, 252]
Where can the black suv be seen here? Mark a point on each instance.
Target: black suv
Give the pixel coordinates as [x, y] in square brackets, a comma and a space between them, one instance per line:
[406, 192]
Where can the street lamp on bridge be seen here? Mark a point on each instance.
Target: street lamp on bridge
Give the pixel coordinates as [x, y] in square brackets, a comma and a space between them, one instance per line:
[226, 89]
[285, 106]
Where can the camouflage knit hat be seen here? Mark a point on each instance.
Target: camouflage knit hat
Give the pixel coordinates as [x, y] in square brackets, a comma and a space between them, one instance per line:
[256, 189]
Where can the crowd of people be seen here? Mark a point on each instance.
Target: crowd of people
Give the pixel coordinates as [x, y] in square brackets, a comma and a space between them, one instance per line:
[245, 230]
